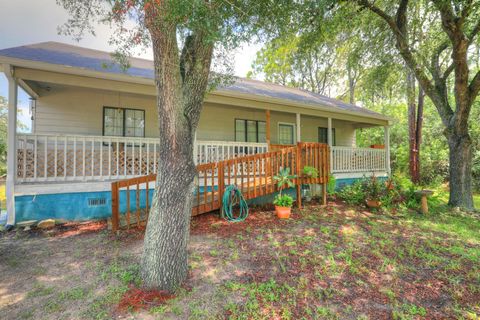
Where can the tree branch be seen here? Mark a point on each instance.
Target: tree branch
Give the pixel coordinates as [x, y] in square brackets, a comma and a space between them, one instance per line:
[474, 86]
[437, 96]
[474, 32]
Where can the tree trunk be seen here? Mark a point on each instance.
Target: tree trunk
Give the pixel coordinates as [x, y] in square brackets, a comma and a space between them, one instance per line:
[412, 129]
[419, 126]
[460, 148]
[181, 82]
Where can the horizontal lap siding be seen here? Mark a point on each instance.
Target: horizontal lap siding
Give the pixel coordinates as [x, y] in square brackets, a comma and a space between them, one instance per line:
[68, 110]
[80, 111]
[344, 131]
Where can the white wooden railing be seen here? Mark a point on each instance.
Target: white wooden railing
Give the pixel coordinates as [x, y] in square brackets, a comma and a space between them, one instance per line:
[213, 151]
[347, 159]
[50, 157]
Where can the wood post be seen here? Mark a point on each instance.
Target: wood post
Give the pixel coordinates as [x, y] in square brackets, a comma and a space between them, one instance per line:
[298, 167]
[424, 204]
[298, 127]
[267, 127]
[221, 184]
[115, 207]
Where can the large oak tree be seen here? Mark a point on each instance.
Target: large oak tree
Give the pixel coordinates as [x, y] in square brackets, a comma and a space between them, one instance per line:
[453, 26]
[185, 35]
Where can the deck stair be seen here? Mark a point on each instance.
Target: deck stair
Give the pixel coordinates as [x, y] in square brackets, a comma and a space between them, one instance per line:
[252, 174]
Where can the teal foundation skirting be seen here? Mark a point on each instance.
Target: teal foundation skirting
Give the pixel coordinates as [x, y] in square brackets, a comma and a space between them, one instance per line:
[340, 183]
[98, 205]
[74, 206]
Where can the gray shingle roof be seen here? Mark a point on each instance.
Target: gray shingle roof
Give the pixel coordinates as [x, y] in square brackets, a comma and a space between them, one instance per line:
[95, 60]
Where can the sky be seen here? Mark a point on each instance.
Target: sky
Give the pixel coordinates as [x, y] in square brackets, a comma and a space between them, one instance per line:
[31, 21]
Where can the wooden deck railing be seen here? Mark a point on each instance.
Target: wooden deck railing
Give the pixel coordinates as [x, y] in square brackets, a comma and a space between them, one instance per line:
[59, 158]
[252, 174]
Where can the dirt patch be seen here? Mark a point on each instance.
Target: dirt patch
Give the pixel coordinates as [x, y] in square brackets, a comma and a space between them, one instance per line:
[333, 262]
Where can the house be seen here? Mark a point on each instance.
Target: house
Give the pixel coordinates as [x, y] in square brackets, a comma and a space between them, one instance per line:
[94, 123]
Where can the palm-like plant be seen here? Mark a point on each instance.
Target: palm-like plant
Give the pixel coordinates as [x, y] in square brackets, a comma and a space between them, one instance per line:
[284, 178]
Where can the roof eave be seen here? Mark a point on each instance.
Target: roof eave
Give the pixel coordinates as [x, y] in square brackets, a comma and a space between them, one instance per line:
[259, 98]
[45, 66]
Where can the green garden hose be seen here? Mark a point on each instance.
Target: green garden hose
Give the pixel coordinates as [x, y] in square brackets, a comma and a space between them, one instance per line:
[231, 197]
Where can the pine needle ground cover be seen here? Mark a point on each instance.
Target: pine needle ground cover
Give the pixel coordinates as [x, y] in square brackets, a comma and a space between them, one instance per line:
[331, 262]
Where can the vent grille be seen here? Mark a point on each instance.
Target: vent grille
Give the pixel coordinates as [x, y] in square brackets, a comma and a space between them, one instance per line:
[95, 202]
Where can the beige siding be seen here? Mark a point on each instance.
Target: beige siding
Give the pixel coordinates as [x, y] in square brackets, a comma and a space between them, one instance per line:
[80, 111]
[70, 110]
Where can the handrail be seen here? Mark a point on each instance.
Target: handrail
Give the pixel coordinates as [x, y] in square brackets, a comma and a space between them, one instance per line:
[252, 174]
[70, 157]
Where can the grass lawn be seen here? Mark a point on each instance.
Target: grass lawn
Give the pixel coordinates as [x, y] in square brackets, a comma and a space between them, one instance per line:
[334, 262]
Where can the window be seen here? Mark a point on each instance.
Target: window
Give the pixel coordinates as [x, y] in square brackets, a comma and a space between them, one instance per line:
[323, 135]
[286, 133]
[123, 122]
[250, 130]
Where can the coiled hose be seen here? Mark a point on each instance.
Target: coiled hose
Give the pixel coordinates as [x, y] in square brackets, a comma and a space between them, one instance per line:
[231, 197]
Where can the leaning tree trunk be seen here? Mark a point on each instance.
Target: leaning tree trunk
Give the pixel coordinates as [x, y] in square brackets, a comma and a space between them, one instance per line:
[460, 147]
[164, 260]
[181, 81]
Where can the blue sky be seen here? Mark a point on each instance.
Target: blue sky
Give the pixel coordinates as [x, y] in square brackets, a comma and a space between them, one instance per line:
[31, 21]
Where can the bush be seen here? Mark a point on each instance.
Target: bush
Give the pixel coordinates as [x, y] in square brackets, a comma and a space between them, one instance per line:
[284, 200]
[353, 194]
[398, 190]
[332, 182]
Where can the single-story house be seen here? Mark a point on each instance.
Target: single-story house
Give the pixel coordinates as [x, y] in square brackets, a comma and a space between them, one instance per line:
[93, 123]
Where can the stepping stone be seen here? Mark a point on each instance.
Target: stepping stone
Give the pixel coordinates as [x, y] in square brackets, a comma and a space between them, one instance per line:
[46, 224]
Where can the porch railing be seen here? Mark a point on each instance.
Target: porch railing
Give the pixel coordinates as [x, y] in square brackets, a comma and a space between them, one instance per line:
[347, 159]
[51, 157]
[252, 174]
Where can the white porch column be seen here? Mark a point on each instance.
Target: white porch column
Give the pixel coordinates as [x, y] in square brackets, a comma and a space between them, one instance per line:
[387, 148]
[299, 137]
[330, 142]
[11, 144]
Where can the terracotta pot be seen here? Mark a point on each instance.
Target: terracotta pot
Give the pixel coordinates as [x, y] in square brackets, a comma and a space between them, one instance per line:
[283, 212]
[373, 203]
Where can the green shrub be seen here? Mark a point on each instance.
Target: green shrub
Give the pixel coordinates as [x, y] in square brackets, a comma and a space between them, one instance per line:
[283, 200]
[332, 182]
[353, 194]
[310, 172]
[398, 190]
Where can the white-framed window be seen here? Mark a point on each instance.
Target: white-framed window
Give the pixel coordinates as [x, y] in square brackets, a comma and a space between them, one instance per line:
[123, 122]
[286, 133]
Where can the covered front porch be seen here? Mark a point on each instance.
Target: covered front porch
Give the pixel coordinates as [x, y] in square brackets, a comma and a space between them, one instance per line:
[72, 149]
[56, 158]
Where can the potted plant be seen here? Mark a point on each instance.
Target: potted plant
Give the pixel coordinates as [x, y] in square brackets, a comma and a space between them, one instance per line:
[310, 172]
[373, 190]
[283, 202]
